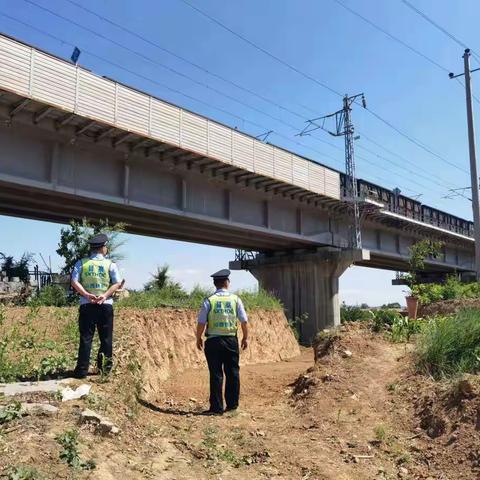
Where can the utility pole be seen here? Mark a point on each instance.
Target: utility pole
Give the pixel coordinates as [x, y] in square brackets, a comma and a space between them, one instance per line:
[345, 128]
[473, 157]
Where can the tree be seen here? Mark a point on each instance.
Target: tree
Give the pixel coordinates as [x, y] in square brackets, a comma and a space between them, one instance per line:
[419, 252]
[16, 268]
[161, 281]
[73, 244]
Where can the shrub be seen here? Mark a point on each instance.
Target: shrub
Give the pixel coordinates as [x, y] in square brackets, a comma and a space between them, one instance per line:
[450, 345]
[51, 296]
[384, 318]
[352, 313]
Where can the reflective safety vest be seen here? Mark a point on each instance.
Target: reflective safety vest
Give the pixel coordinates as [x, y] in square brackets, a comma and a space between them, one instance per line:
[95, 275]
[222, 317]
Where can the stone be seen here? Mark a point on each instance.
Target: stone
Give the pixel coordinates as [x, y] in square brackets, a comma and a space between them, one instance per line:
[103, 425]
[346, 353]
[402, 472]
[106, 427]
[39, 409]
[46, 386]
[89, 416]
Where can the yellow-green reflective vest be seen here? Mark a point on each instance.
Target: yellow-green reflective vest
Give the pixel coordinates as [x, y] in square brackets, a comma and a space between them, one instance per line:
[222, 317]
[95, 275]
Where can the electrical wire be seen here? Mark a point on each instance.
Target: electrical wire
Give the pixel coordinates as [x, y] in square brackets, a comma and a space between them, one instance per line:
[186, 60]
[438, 27]
[103, 18]
[266, 52]
[196, 99]
[313, 79]
[393, 37]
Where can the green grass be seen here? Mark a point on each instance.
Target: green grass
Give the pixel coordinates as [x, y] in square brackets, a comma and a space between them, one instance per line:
[450, 346]
[176, 298]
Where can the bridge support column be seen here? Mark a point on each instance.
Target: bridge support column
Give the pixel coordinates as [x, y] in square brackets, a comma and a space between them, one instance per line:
[306, 283]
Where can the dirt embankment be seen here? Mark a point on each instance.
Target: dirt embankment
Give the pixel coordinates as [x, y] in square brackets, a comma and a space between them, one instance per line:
[448, 307]
[165, 342]
[162, 340]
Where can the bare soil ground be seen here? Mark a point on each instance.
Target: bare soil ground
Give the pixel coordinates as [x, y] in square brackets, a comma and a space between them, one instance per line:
[359, 412]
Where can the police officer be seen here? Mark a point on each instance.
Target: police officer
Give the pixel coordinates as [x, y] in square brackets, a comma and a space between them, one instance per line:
[219, 316]
[96, 279]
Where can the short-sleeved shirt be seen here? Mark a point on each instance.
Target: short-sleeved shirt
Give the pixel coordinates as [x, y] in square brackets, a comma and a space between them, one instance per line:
[113, 271]
[205, 309]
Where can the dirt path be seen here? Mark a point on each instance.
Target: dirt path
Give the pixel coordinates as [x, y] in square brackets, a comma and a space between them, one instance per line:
[322, 434]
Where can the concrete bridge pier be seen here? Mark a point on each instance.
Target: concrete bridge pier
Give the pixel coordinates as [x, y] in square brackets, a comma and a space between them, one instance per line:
[306, 283]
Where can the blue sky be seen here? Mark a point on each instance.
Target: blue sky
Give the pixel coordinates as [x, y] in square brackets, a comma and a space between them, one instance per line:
[317, 37]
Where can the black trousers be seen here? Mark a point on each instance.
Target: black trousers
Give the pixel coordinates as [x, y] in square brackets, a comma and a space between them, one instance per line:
[93, 317]
[223, 356]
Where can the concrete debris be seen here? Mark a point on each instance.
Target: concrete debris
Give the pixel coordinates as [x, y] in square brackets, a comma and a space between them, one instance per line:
[39, 409]
[47, 386]
[70, 394]
[103, 425]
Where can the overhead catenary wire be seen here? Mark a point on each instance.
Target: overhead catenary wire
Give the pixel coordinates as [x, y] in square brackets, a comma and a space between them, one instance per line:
[263, 50]
[154, 81]
[188, 61]
[393, 37]
[438, 27]
[315, 80]
[174, 90]
[143, 38]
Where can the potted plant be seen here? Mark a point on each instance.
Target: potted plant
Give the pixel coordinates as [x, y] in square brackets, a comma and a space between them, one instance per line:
[419, 252]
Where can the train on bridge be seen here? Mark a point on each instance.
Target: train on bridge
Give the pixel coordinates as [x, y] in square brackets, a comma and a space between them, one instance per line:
[408, 207]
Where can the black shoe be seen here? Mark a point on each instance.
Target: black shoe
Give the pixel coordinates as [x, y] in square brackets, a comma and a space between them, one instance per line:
[210, 413]
[231, 409]
[79, 375]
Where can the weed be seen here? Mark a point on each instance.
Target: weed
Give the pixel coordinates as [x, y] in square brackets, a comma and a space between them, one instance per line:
[380, 433]
[52, 365]
[173, 297]
[69, 453]
[392, 387]
[24, 472]
[209, 438]
[296, 324]
[450, 345]
[403, 328]
[384, 318]
[3, 314]
[10, 412]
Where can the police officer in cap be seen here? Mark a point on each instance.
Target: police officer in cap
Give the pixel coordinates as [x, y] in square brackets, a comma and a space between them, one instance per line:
[218, 317]
[95, 278]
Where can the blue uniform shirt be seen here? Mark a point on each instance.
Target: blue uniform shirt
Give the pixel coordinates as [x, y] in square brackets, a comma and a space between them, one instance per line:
[114, 275]
[203, 315]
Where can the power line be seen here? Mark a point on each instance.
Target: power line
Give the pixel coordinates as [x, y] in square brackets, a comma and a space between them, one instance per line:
[156, 82]
[181, 58]
[202, 84]
[393, 37]
[186, 60]
[438, 27]
[266, 52]
[386, 122]
[391, 152]
[414, 140]
[324, 155]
